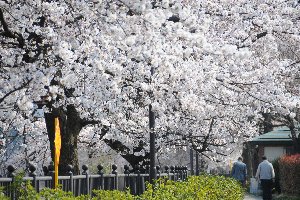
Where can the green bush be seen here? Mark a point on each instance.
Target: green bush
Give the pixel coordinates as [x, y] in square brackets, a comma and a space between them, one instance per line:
[2, 196]
[53, 194]
[204, 187]
[289, 167]
[112, 195]
[22, 190]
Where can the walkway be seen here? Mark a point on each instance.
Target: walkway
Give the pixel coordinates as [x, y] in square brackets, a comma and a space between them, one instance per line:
[252, 197]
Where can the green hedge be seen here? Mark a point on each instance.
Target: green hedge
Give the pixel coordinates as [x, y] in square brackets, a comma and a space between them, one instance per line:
[289, 167]
[203, 187]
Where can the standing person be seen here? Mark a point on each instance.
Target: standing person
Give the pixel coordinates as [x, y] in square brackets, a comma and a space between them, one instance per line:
[239, 171]
[265, 172]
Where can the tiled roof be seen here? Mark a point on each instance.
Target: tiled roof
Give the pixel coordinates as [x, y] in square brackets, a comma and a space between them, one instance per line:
[279, 135]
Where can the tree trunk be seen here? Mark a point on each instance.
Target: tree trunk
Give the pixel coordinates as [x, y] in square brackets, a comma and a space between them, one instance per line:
[295, 138]
[70, 124]
[267, 123]
[132, 159]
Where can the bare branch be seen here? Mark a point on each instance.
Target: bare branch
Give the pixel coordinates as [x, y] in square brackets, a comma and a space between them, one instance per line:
[14, 90]
[7, 32]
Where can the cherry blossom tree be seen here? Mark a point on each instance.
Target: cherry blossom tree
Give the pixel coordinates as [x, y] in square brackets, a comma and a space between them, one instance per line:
[217, 65]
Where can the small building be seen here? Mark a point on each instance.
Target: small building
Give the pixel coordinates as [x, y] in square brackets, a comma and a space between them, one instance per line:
[273, 145]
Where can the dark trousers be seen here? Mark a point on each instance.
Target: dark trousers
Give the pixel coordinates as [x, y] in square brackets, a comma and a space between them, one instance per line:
[266, 185]
[243, 182]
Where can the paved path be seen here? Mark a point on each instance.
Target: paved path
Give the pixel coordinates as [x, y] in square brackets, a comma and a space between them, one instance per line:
[252, 197]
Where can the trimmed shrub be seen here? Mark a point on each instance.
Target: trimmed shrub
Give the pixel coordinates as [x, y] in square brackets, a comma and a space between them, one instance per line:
[289, 167]
[112, 195]
[52, 194]
[204, 187]
[211, 187]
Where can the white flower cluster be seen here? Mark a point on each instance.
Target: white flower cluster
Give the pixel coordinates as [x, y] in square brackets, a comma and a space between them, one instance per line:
[214, 65]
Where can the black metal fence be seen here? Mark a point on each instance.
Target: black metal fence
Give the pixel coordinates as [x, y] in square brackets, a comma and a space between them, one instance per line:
[132, 179]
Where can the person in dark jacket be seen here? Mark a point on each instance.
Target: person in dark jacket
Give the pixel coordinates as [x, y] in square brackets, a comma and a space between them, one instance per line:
[239, 171]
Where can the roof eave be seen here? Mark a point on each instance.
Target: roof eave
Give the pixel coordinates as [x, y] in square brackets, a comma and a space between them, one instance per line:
[283, 143]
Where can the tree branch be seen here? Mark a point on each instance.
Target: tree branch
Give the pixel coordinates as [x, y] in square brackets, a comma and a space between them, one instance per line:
[14, 90]
[8, 33]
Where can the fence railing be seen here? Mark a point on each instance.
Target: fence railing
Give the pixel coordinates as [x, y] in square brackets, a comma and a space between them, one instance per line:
[134, 179]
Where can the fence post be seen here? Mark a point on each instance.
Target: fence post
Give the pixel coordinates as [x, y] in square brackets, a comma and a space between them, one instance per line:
[173, 172]
[181, 172]
[101, 180]
[11, 174]
[185, 172]
[51, 173]
[45, 170]
[138, 179]
[192, 160]
[85, 169]
[142, 179]
[114, 171]
[126, 178]
[46, 173]
[147, 169]
[157, 171]
[197, 164]
[143, 169]
[132, 182]
[71, 183]
[148, 172]
[167, 171]
[177, 173]
[32, 174]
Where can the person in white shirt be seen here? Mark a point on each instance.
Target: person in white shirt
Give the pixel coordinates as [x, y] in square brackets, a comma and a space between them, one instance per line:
[265, 173]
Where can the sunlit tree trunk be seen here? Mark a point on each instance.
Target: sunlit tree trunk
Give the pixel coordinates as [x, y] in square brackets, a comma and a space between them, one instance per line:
[71, 126]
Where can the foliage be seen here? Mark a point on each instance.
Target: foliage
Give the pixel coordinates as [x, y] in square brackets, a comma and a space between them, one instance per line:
[2, 195]
[196, 187]
[53, 194]
[22, 189]
[290, 174]
[276, 167]
[112, 195]
[275, 164]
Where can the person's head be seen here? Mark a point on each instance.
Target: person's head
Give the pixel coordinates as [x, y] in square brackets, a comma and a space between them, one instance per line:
[264, 158]
[240, 159]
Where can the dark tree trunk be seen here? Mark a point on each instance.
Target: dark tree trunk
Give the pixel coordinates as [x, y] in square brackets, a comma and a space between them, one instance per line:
[297, 142]
[267, 123]
[136, 160]
[295, 138]
[132, 159]
[70, 124]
